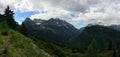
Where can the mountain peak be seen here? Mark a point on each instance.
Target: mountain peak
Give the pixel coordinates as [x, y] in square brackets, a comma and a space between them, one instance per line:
[28, 19]
[61, 28]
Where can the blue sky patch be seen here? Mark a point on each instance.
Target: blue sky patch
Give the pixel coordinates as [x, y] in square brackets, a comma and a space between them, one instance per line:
[20, 16]
[80, 24]
[73, 15]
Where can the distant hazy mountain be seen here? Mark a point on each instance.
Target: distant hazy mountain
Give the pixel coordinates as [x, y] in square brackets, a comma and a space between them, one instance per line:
[55, 30]
[116, 27]
[101, 33]
[60, 31]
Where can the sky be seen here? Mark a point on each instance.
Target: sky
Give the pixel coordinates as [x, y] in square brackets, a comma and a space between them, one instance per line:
[77, 12]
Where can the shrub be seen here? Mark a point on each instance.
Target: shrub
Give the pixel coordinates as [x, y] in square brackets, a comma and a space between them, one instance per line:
[4, 33]
[4, 28]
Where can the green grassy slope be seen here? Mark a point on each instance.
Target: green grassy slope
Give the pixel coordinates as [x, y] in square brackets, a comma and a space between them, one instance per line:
[14, 44]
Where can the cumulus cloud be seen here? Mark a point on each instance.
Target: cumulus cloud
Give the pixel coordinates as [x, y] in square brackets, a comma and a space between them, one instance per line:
[52, 14]
[73, 11]
[4, 3]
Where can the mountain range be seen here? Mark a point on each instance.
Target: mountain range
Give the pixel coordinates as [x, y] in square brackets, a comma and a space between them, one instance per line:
[52, 41]
[62, 32]
[55, 30]
[102, 35]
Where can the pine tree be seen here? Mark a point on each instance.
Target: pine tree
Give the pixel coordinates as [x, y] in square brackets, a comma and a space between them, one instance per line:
[92, 49]
[9, 18]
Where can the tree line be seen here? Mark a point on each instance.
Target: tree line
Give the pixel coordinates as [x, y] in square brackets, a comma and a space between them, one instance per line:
[8, 18]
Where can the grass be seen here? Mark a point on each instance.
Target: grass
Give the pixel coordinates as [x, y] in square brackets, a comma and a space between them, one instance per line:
[14, 44]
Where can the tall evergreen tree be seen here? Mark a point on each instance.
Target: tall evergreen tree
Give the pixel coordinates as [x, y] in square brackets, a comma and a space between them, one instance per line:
[9, 17]
[92, 49]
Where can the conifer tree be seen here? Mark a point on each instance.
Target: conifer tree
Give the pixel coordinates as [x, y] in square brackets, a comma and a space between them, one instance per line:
[92, 49]
[10, 18]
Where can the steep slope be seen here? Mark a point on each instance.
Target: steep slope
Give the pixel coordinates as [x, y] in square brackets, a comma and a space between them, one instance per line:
[14, 44]
[102, 34]
[55, 30]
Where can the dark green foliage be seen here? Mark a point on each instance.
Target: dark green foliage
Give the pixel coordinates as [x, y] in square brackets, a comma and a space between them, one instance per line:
[2, 17]
[110, 45]
[5, 28]
[4, 33]
[56, 50]
[23, 29]
[9, 18]
[119, 52]
[114, 53]
[92, 50]
[53, 49]
[100, 33]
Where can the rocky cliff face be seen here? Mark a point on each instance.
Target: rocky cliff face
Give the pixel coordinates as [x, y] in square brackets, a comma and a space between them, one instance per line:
[54, 29]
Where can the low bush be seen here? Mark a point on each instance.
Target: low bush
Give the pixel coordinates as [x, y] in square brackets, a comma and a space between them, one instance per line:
[4, 33]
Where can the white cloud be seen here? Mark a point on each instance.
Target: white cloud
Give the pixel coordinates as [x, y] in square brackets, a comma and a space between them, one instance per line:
[87, 11]
[4, 3]
[55, 13]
